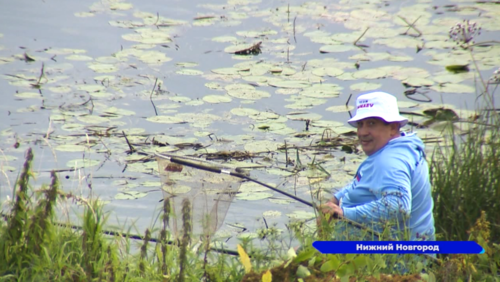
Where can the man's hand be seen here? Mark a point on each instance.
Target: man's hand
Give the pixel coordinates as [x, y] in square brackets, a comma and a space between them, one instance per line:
[334, 200]
[332, 208]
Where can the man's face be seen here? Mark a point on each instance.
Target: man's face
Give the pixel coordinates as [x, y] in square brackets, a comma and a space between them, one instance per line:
[374, 133]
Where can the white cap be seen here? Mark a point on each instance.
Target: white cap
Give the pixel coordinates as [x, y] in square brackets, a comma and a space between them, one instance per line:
[377, 104]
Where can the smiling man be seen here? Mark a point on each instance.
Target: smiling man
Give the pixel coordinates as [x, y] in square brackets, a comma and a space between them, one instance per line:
[392, 184]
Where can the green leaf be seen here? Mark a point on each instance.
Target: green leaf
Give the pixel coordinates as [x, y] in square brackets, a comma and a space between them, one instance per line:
[332, 264]
[305, 255]
[360, 261]
[303, 272]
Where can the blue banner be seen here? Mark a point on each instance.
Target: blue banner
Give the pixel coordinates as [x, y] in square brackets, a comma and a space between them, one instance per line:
[398, 247]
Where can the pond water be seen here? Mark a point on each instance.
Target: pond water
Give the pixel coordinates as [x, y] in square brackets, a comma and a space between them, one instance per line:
[75, 76]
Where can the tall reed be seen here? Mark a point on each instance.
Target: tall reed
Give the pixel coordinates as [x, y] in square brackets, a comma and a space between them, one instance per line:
[466, 181]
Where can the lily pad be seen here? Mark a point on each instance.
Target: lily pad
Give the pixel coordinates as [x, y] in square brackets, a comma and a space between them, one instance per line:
[328, 71]
[225, 39]
[244, 111]
[271, 213]
[189, 72]
[370, 74]
[301, 215]
[252, 187]
[340, 109]
[216, 99]
[81, 163]
[245, 91]
[254, 196]
[92, 119]
[28, 95]
[290, 84]
[304, 116]
[71, 148]
[454, 88]
[365, 86]
[130, 195]
[336, 48]
[165, 119]
[262, 146]
[418, 81]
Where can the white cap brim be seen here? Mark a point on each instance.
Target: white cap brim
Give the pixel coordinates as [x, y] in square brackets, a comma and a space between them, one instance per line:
[354, 121]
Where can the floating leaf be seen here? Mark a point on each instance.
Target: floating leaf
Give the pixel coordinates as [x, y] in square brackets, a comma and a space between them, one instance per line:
[75, 57]
[186, 64]
[304, 116]
[454, 88]
[120, 6]
[28, 95]
[225, 39]
[339, 109]
[281, 201]
[262, 146]
[60, 89]
[244, 112]
[216, 99]
[119, 112]
[365, 86]
[165, 119]
[336, 48]
[80, 163]
[252, 187]
[245, 91]
[130, 195]
[290, 84]
[370, 74]
[227, 71]
[92, 119]
[213, 85]
[189, 72]
[301, 215]
[253, 196]
[71, 148]
[254, 33]
[102, 68]
[269, 214]
[418, 81]
[328, 71]
[399, 43]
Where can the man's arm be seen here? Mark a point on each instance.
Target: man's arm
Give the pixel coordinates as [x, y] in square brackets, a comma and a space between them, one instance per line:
[392, 188]
[394, 206]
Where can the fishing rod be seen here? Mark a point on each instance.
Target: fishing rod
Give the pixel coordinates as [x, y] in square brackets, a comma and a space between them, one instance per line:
[179, 160]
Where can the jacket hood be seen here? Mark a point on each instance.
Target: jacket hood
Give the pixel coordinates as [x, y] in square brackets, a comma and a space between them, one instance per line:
[408, 140]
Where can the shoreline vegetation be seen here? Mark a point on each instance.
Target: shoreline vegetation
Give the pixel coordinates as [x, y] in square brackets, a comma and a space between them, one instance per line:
[465, 175]
[464, 171]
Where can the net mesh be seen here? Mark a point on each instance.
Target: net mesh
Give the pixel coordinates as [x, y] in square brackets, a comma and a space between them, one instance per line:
[210, 194]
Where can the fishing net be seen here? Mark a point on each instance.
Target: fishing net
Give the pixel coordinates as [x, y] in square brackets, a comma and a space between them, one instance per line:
[209, 193]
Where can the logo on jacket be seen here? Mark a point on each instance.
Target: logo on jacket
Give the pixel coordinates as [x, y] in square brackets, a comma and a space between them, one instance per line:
[358, 176]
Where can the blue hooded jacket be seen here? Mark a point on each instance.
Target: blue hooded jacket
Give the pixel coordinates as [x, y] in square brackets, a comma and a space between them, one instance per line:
[393, 185]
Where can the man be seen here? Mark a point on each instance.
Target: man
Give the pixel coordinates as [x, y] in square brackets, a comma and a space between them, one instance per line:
[392, 184]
